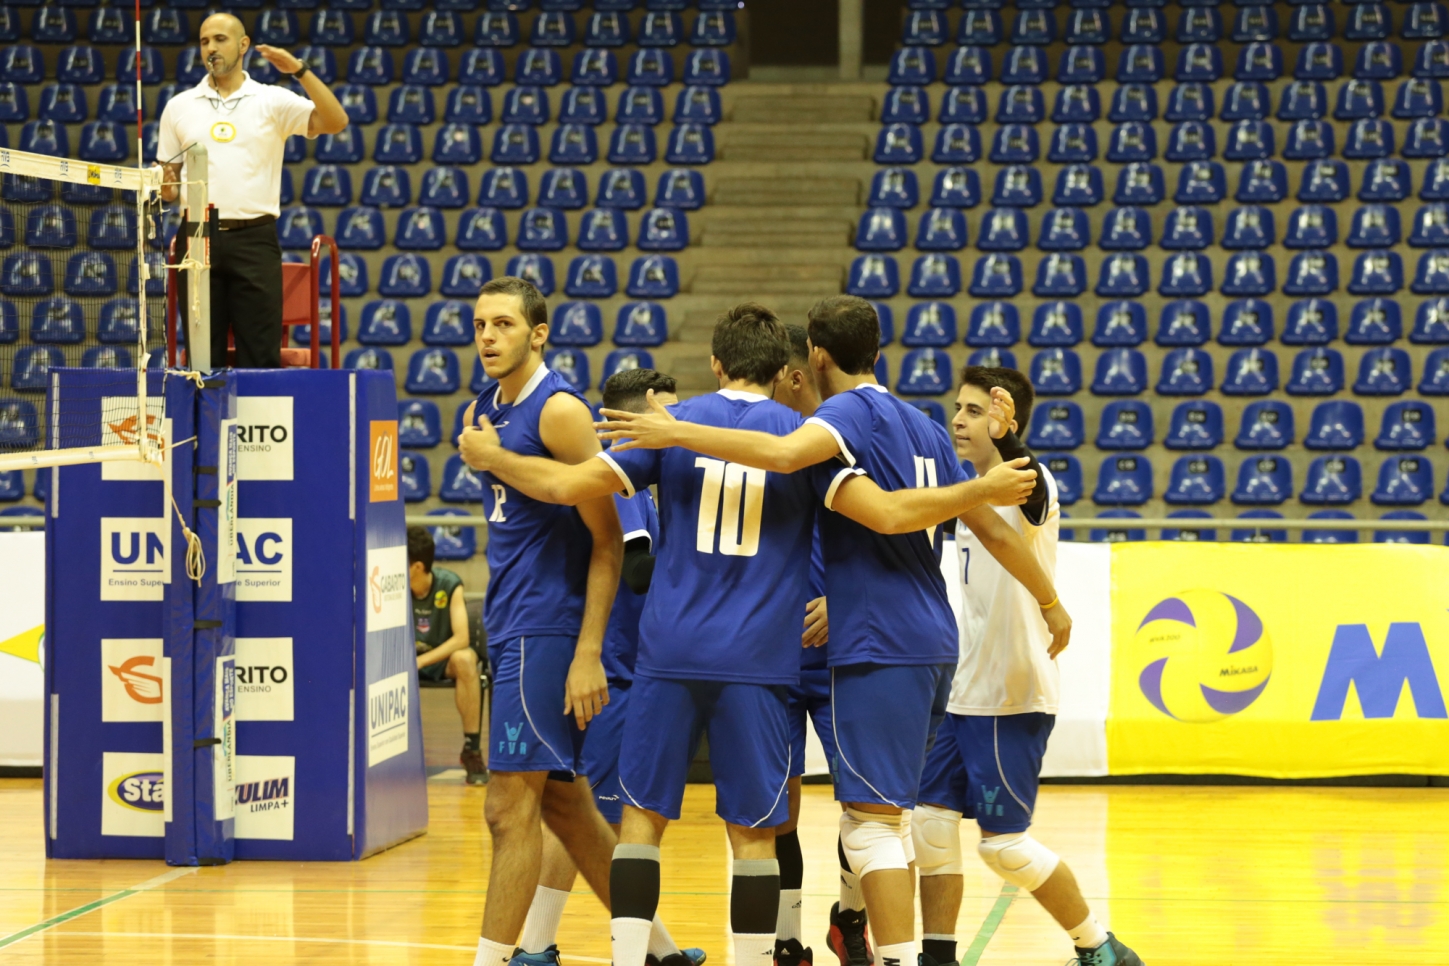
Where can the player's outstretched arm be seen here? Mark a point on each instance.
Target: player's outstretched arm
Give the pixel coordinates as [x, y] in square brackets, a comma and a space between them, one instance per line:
[658, 429]
[919, 508]
[533, 476]
[566, 429]
[1006, 545]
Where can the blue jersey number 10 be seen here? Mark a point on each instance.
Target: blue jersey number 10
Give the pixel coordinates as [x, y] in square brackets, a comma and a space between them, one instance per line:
[731, 503]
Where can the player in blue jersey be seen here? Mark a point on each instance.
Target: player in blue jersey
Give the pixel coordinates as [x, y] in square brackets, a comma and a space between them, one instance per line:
[987, 758]
[553, 573]
[893, 643]
[599, 758]
[719, 639]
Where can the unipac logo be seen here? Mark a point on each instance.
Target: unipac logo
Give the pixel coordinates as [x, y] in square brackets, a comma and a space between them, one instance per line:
[1379, 677]
[387, 718]
[144, 791]
[263, 559]
[265, 797]
[387, 588]
[511, 745]
[264, 679]
[133, 558]
[1211, 656]
[264, 437]
[133, 794]
[383, 461]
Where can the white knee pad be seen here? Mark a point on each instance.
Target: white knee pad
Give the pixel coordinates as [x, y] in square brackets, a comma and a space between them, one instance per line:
[1019, 859]
[872, 842]
[936, 833]
[908, 845]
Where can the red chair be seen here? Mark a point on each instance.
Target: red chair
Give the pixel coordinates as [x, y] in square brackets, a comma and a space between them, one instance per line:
[301, 305]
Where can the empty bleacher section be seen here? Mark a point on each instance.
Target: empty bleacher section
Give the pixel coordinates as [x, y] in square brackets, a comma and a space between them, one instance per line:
[1214, 235]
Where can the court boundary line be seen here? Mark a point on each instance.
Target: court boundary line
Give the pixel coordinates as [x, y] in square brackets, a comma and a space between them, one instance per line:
[90, 907]
[989, 925]
[396, 943]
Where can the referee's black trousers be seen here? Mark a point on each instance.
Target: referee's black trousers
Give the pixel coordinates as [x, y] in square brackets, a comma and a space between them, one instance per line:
[246, 295]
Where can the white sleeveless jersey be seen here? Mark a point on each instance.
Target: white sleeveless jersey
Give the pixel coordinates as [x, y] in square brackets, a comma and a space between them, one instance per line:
[1003, 666]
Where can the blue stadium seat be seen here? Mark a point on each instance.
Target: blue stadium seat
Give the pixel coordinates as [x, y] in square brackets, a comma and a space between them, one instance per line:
[1185, 372]
[1057, 426]
[552, 28]
[573, 144]
[347, 147]
[358, 101]
[432, 371]
[359, 228]
[351, 276]
[578, 324]
[898, 144]
[1245, 101]
[1369, 138]
[621, 188]
[1246, 322]
[690, 144]
[1017, 186]
[298, 225]
[1188, 228]
[112, 228]
[607, 28]
[537, 269]
[1077, 104]
[31, 366]
[1310, 141]
[1431, 323]
[583, 105]
[1139, 183]
[1384, 371]
[1330, 536]
[385, 322]
[641, 324]
[1428, 137]
[27, 274]
[30, 61]
[1123, 481]
[51, 226]
[1377, 272]
[640, 105]
[1251, 372]
[1266, 425]
[887, 336]
[422, 229]
[1057, 372]
[1195, 425]
[978, 29]
[1195, 481]
[1056, 324]
[1419, 97]
[1079, 186]
[993, 324]
[91, 274]
[515, 144]
[1201, 183]
[1432, 60]
[1312, 273]
[1070, 144]
[405, 276]
[80, 65]
[103, 357]
[1090, 26]
[107, 25]
[956, 187]
[1375, 322]
[411, 104]
[1311, 322]
[1374, 226]
[894, 188]
[622, 359]
[1432, 274]
[368, 358]
[419, 423]
[881, 230]
[1316, 372]
[941, 229]
[1402, 536]
[1184, 322]
[119, 322]
[1303, 100]
[1141, 64]
[959, 144]
[660, 29]
[58, 320]
[1133, 102]
[1249, 141]
[653, 277]
[930, 324]
[632, 144]
[460, 483]
[331, 28]
[14, 104]
[386, 186]
[698, 105]
[542, 230]
[1190, 101]
[1186, 274]
[481, 229]
[538, 67]
[160, 26]
[969, 65]
[1359, 99]
[992, 358]
[103, 142]
[45, 137]
[1021, 104]
[463, 276]
[1126, 425]
[416, 483]
[1263, 481]
[1332, 481]
[1003, 230]
[1120, 324]
[1124, 274]
[1435, 381]
[904, 105]
[1407, 426]
[932, 276]
[995, 276]
[914, 66]
[327, 186]
[1077, 65]
[653, 68]
[373, 66]
[1013, 144]
[448, 323]
[446, 187]
[1120, 372]
[924, 372]
[1187, 141]
[591, 277]
[663, 230]
[1064, 229]
[1425, 20]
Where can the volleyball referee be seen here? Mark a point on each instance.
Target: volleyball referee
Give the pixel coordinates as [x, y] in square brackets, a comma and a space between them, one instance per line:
[244, 126]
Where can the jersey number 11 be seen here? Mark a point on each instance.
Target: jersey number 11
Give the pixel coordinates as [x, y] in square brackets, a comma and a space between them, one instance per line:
[738, 519]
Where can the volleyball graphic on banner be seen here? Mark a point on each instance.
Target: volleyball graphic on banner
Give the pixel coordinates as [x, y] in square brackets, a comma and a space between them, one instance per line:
[1208, 656]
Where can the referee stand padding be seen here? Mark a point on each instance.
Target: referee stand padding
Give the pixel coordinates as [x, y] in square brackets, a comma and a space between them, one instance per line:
[319, 681]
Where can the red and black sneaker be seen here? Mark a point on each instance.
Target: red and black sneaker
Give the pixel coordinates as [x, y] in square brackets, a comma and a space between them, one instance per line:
[789, 952]
[472, 761]
[849, 937]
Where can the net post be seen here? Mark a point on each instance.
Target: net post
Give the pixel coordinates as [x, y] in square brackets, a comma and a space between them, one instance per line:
[198, 283]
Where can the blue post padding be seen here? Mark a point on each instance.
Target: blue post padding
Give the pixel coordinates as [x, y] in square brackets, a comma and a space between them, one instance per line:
[108, 550]
[178, 626]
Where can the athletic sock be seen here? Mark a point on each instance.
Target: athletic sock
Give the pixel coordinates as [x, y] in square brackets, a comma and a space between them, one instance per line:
[939, 947]
[754, 907]
[634, 892]
[897, 954]
[470, 741]
[661, 944]
[792, 878]
[540, 929]
[1089, 934]
[851, 898]
[491, 953]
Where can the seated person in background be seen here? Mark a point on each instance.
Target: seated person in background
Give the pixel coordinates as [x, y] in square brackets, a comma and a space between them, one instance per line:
[440, 629]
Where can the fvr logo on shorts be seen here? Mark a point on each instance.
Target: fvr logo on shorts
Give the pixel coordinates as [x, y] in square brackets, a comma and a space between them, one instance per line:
[989, 806]
[263, 559]
[133, 558]
[512, 745]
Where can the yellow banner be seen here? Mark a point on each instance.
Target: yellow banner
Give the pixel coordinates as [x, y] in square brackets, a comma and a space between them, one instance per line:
[1284, 661]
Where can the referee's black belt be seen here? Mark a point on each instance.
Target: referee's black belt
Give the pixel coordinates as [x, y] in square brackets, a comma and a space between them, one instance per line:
[232, 224]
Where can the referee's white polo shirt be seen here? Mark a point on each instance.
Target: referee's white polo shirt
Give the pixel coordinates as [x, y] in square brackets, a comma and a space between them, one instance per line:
[245, 136]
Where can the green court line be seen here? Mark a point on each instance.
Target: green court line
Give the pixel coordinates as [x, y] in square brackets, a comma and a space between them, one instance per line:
[989, 924]
[89, 907]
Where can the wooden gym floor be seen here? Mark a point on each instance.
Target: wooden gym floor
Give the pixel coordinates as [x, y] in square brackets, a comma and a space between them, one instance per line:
[1186, 875]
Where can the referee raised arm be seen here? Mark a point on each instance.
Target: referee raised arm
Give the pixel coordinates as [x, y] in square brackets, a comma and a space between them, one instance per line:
[244, 126]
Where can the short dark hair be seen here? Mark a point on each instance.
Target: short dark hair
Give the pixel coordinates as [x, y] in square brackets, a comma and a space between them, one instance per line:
[420, 547]
[846, 327]
[987, 378]
[535, 306]
[627, 388]
[750, 343]
[799, 345]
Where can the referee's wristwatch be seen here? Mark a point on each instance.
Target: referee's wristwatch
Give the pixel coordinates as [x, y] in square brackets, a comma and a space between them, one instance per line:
[301, 72]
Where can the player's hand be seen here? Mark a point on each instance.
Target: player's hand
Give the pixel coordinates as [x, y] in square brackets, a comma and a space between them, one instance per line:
[1059, 623]
[817, 624]
[587, 690]
[477, 444]
[279, 59]
[1002, 414]
[651, 430]
[1009, 483]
